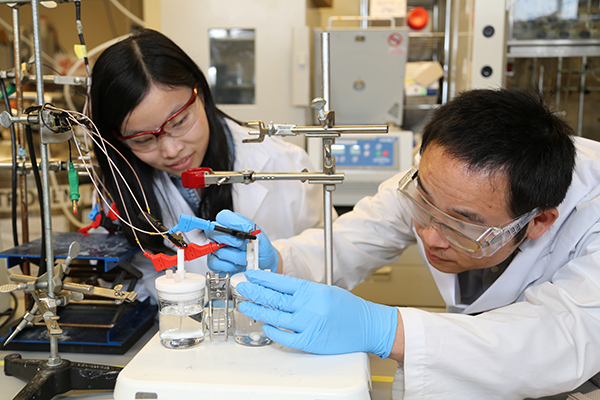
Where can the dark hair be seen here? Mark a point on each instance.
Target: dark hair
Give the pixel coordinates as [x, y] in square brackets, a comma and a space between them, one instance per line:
[511, 132]
[121, 78]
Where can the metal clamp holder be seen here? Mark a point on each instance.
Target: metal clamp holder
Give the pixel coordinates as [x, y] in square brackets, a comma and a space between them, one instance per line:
[329, 178]
[195, 178]
[218, 288]
[54, 125]
[49, 292]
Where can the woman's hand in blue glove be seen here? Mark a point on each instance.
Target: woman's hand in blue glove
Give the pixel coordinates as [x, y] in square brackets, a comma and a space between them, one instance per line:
[322, 319]
[232, 258]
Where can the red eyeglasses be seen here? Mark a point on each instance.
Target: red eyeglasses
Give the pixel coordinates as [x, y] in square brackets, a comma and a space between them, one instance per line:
[176, 125]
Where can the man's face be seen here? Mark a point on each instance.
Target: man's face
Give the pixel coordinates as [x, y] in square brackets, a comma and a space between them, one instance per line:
[471, 196]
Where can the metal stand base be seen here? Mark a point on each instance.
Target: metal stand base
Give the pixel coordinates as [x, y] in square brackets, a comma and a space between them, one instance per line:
[45, 382]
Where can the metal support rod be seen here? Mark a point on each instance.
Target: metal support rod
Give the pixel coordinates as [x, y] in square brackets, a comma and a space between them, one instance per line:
[364, 12]
[541, 80]
[447, 31]
[37, 49]
[534, 70]
[435, 23]
[581, 95]
[54, 359]
[328, 232]
[52, 166]
[558, 81]
[19, 133]
[327, 189]
[337, 129]
[325, 70]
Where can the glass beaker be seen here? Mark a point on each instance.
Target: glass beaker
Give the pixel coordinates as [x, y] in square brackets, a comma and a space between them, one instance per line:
[181, 309]
[246, 331]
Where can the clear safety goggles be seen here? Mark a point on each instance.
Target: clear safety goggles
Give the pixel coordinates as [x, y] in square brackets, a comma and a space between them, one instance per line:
[475, 240]
[176, 125]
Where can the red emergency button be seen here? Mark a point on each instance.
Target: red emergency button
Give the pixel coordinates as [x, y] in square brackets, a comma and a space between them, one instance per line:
[417, 18]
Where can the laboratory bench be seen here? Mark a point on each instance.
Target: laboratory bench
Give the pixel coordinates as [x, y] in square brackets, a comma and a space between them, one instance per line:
[382, 371]
[352, 370]
[11, 385]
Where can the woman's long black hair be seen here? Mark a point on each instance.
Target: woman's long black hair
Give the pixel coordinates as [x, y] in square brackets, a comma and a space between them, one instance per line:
[121, 78]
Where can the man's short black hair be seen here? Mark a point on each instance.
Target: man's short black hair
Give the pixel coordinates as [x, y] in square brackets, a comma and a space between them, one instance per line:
[511, 132]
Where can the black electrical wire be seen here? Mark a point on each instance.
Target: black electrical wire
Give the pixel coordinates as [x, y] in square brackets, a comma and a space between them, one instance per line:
[13, 140]
[80, 31]
[87, 105]
[38, 184]
[52, 68]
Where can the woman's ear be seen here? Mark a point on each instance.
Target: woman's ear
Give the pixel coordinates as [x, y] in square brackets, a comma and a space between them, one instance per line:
[541, 222]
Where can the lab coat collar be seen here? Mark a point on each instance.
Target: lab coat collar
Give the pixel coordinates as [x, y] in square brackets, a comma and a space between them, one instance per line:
[540, 258]
[446, 283]
[505, 290]
[537, 258]
[522, 271]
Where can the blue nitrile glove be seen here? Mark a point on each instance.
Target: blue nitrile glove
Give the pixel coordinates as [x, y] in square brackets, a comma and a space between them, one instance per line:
[323, 319]
[232, 258]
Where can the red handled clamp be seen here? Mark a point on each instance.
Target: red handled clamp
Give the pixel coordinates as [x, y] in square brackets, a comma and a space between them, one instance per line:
[193, 178]
[192, 251]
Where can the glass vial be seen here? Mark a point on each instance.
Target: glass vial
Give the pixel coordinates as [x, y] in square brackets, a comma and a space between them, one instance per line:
[246, 331]
[181, 309]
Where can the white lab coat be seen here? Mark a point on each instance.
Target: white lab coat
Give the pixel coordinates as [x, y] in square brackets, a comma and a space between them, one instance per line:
[280, 208]
[535, 332]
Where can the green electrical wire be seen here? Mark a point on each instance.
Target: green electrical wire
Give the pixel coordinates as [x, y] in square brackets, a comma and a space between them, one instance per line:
[74, 186]
[9, 90]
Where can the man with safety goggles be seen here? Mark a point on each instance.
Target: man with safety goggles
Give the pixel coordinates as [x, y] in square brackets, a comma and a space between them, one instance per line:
[504, 206]
[472, 239]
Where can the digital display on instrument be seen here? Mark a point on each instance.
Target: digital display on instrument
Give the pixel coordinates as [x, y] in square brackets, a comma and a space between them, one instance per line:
[366, 153]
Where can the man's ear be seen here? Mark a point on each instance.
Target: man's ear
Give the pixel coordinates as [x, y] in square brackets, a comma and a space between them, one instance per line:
[541, 223]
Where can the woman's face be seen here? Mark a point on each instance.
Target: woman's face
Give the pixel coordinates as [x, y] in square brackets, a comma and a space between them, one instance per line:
[172, 154]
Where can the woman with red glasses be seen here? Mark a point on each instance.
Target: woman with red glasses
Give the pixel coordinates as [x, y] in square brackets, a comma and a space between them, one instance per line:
[154, 105]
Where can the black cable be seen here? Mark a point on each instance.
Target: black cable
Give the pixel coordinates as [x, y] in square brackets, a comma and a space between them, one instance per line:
[52, 68]
[38, 184]
[13, 139]
[80, 31]
[88, 95]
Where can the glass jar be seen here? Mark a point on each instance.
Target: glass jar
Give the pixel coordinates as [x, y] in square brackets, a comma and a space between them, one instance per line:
[246, 331]
[181, 309]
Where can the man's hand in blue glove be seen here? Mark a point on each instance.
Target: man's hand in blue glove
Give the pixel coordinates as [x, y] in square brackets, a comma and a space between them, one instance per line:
[322, 319]
[232, 258]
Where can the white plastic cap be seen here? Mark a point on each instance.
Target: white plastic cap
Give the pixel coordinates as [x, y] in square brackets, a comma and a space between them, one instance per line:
[237, 278]
[173, 287]
[234, 280]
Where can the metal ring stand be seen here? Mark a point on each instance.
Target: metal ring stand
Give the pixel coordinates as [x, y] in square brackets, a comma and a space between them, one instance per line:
[48, 378]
